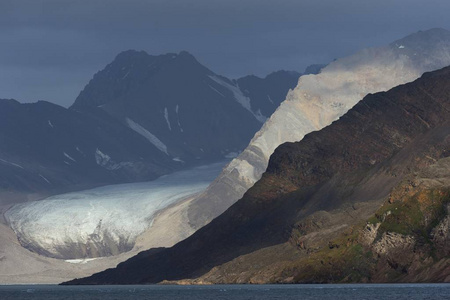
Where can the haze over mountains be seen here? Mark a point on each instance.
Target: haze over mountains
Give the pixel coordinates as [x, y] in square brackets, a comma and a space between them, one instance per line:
[319, 100]
[193, 112]
[304, 221]
[288, 210]
[141, 117]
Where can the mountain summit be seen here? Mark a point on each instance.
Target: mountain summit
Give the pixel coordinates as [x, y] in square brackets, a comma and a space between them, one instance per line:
[141, 117]
[317, 101]
[190, 111]
[362, 200]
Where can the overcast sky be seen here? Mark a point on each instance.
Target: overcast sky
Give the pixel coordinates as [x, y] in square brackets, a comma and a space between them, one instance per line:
[51, 49]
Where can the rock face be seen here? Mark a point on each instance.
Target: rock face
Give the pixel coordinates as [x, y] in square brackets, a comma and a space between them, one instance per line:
[266, 94]
[317, 101]
[189, 111]
[316, 191]
[141, 117]
[46, 148]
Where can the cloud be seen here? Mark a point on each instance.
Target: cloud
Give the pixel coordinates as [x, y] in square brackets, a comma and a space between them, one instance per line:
[48, 39]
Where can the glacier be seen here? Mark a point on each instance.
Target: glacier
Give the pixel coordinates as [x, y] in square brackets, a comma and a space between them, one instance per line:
[102, 221]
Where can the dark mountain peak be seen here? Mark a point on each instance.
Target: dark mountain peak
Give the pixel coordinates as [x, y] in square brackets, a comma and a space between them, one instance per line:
[185, 61]
[314, 69]
[268, 92]
[38, 104]
[131, 54]
[186, 55]
[130, 58]
[423, 39]
[426, 49]
[132, 70]
[274, 75]
[9, 102]
[280, 74]
[336, 177]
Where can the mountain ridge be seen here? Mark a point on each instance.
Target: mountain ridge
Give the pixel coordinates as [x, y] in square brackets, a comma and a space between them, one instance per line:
[317, 101]
[388, 136]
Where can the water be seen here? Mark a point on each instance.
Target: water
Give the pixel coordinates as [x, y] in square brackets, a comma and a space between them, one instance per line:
[234, 292]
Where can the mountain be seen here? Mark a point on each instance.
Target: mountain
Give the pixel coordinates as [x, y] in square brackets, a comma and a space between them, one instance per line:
[193, 113]
[338, 206]
[46, 148]
[141, 117]
[314, 69]
[273, 89]
[317, 101]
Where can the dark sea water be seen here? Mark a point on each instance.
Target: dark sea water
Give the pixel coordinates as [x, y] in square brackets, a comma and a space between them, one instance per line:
[239, 292]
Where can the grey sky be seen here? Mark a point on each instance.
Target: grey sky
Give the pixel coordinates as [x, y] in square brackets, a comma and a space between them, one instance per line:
[50, 49]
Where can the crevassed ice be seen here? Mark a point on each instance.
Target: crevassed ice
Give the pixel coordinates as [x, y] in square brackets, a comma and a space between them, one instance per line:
[118, 212]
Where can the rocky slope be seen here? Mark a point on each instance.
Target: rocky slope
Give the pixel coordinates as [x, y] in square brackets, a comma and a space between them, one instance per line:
[141, 117]
[46, 148]
[266, 94]
[316, 102]
[316, 190]
[194, 113]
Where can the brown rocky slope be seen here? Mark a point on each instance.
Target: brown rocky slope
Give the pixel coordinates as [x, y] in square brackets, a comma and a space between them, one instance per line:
[305, 220]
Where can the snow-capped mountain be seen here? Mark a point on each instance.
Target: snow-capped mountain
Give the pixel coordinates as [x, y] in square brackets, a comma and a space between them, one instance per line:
[187, 111]
[141, 117]
[364, 200]
[319, 100]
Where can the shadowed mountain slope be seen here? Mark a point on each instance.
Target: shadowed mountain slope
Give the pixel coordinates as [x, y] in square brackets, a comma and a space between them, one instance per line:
[314, 189]
[195, 113]
[317, 101]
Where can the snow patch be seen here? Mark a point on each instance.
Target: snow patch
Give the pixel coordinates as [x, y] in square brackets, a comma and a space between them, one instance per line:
[166, 116]
[217, 91]
[270, 99]
[240, 98]
[43, 177]
[79, 150]
[101, 158]
[318, 100]
[69, 157]
[177, 159]
[149, 136]
[178, 119]
[126, 75]
[50, 124]
[80, 261]
[232, 155]
[11, 164]
[104, 160]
